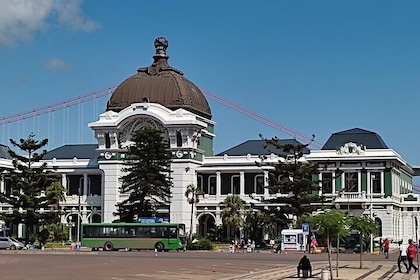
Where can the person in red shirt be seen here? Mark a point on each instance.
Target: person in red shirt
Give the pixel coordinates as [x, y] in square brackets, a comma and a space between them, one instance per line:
[411, 253]
[386, 248]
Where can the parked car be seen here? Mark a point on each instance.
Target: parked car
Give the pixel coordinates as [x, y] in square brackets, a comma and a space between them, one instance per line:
[10, 243]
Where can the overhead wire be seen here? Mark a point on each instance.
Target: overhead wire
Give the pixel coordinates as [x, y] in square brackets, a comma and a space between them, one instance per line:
[78, 100]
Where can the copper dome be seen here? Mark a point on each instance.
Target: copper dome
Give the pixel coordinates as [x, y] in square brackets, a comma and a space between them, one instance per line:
[160, 83]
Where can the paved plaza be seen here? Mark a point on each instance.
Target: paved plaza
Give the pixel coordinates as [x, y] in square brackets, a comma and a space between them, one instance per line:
[69, 265]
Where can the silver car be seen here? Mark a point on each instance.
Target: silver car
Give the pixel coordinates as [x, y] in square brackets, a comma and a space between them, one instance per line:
[10, 243]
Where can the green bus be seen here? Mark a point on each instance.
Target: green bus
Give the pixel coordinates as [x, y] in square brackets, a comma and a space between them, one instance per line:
[137, 236]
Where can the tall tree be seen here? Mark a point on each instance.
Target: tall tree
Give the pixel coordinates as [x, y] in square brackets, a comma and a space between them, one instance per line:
[147, 177]
[365, 225]
[232, 215]
[293, 178]
[332, 225]
[193, 197]
[30, 181]
[260, 221]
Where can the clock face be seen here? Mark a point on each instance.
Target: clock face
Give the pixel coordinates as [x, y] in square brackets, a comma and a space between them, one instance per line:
[179, 154]
[108, 155]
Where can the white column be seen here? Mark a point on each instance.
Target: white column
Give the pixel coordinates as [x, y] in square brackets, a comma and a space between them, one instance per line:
[266, 194]
[64, 182]
[241, 184]
[218, 185]
[85, 184]
[1, 185]
[382, 175]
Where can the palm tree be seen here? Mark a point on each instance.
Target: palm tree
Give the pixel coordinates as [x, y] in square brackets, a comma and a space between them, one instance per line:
[193, 197]
[232, 212]
[55, 192]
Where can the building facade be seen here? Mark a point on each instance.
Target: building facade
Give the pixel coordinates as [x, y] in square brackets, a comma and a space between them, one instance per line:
[359, 173]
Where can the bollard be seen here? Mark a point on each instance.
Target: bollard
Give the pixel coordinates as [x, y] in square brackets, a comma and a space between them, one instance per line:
[325, 274]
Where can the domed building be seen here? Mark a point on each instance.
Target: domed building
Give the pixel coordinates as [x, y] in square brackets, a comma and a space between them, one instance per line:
[161, 96]
[361, 175]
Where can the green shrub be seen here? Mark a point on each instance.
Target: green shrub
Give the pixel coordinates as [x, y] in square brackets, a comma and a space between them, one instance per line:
[200, 244]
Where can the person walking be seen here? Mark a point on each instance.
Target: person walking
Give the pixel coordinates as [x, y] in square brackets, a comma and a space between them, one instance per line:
[411, 254]
[402, 256]
[386, 248]
[314, 244]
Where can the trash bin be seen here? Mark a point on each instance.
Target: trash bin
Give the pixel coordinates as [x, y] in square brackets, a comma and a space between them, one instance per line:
[325, 274]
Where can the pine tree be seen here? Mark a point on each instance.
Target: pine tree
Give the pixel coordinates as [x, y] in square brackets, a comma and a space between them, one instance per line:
[29, 199]
[147, 179]
[294, 179]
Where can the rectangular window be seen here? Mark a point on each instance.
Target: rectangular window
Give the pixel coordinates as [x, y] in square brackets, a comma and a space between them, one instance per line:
[74, 183]
[351, 182]
[259, 184]
[200, 183]
[95, 182]
[327, 183]
[212, 185]
[235, 189]
[7, 187]
[376, 182]
[283, 182]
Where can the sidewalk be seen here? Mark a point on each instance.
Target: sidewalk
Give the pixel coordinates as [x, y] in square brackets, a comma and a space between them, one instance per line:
[348, 270]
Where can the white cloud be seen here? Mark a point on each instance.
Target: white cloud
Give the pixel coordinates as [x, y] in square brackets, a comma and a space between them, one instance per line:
[56, 63]
[19, 19]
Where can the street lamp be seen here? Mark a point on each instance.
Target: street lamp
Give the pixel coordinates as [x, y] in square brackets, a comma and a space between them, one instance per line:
[70, 226]
[372, 177]
[79, 190]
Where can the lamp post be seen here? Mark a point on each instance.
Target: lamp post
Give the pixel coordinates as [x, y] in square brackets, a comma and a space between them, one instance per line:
[70, 226]
[372, 176]
[78, 215]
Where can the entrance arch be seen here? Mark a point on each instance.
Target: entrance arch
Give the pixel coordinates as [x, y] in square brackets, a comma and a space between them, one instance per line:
[207, 225]
[379, 222]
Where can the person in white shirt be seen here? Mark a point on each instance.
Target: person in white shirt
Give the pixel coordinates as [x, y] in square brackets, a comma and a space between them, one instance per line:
[402, 256]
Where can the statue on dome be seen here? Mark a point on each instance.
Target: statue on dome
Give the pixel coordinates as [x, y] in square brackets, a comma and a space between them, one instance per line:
[161, 44]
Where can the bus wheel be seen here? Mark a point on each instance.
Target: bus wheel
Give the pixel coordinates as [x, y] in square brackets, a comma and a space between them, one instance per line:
[108, 246]
[159, 247]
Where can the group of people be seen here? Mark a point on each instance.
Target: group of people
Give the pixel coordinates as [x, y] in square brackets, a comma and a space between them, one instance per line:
[407, 256]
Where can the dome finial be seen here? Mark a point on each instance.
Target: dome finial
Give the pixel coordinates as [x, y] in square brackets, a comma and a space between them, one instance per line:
[161, 44]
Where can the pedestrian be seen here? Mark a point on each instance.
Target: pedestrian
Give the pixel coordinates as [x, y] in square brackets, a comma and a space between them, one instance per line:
[314, 244]
[305, 266]
[381, 246]
[386, 248]
[411, 254]
[242, 245]
[402, 256]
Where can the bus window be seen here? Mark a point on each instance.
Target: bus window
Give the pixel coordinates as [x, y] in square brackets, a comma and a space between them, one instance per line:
[140, 231]
[172, 232]
[181, 230]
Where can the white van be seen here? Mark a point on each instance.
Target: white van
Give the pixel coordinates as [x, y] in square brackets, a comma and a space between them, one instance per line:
[10, 243]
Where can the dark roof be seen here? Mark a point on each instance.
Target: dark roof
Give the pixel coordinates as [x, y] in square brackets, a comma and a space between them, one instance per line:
[256, 147]
[4, 152]
[160, 83]
[369, 139]
[82, 151]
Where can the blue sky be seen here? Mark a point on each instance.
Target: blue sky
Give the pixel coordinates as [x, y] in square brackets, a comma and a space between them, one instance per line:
[316, 67]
